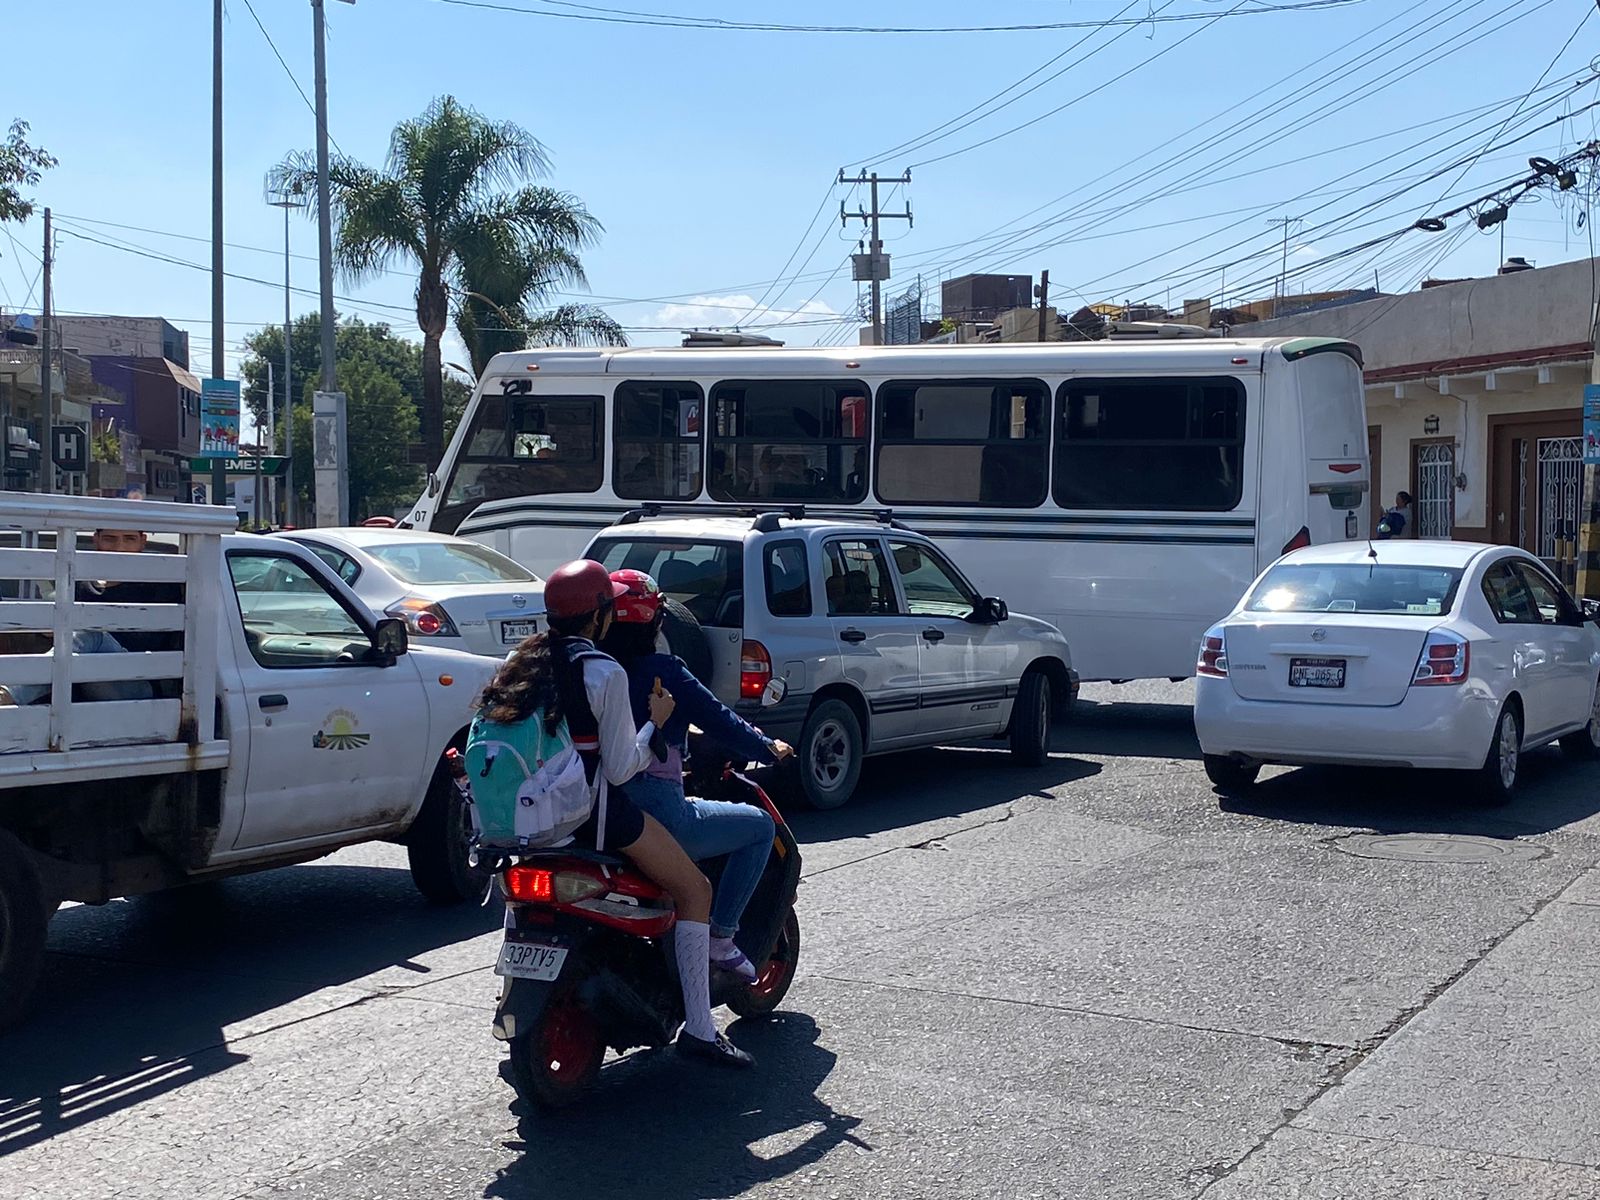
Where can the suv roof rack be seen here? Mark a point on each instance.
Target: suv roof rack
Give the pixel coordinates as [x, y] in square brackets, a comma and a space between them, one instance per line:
[767, 521]
[634, 515]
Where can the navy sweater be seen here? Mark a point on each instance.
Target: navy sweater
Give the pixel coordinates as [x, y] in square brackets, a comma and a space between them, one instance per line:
[696, 706]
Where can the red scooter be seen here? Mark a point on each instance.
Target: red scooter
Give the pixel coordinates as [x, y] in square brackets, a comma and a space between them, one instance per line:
[588, 959]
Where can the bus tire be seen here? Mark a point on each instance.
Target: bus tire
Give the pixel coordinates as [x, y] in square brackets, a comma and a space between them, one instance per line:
[24, 913]
[686, 639]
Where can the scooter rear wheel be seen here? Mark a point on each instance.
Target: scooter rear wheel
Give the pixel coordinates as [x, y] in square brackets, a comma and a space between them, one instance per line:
[558, 1060]
[773, 978]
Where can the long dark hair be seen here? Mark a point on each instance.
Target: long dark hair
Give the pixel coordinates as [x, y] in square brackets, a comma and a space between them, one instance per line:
[526, 681]
[629, 641]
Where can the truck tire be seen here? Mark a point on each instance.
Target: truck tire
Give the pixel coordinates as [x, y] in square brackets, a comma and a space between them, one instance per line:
[23, 916]
[437, 847]
[687, 640]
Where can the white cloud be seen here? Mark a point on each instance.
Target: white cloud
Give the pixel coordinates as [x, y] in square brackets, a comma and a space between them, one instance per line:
[722, 312]
[1304, 250]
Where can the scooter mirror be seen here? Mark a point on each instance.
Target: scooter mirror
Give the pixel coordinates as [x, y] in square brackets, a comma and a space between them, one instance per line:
[776, 690]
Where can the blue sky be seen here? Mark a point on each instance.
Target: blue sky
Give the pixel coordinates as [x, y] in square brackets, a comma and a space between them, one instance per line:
[705, 152]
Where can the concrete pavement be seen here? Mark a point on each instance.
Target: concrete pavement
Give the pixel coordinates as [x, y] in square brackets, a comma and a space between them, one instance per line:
[1085, 980]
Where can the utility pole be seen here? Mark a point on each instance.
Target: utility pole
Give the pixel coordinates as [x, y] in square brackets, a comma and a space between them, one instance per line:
[1283, 278]
[270, 447]
[324, 215]
[1588, 581]
[288, 203]
[1044, 303]
[47, 461]
[874, 265]
[219, 338]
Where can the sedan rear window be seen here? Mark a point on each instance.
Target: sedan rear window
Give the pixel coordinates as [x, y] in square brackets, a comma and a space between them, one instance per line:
[1356, 588]
[707, 578]
[448, 562]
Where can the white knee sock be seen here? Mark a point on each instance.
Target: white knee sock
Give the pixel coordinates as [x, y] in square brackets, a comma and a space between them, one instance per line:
[692, 941]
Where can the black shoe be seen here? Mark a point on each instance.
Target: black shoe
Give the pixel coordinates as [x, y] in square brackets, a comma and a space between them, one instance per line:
[720, 1051]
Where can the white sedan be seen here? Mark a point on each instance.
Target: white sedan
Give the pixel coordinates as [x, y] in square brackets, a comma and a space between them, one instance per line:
[449, 591]
[1399, 653]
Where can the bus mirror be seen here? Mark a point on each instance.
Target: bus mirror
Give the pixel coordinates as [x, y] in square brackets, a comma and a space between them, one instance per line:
[433, 485]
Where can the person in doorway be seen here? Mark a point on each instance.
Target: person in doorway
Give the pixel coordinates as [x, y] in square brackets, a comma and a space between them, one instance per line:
[1396, 520]
[704, 828]
[563, 674]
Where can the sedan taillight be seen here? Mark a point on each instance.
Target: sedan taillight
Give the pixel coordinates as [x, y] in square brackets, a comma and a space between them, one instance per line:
[1444, 660]
[1213, 655]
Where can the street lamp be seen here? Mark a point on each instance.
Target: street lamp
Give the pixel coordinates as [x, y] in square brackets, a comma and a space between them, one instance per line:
[289, 204]
[324, 216]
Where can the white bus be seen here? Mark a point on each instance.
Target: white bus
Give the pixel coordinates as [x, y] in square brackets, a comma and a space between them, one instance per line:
[1128, 492]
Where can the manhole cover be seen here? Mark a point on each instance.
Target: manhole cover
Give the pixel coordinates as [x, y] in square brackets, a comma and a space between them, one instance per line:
[1448, 848]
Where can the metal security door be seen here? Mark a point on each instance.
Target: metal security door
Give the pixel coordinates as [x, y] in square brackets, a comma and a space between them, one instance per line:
[1435, 469]
[1560, 481]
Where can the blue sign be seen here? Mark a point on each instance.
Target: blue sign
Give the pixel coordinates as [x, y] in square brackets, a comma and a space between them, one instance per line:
[1591, 424]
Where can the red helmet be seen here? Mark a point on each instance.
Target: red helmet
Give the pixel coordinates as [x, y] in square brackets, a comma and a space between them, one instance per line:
[642, 599]
[576, 589]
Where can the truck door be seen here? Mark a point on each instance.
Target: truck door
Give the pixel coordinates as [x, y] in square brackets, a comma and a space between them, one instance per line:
[332, 747]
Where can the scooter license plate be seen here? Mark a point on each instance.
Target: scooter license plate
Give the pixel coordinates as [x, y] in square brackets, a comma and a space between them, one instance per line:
[530, 960]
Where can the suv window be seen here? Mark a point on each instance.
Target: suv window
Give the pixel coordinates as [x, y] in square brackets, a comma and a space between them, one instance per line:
[707, 578]
[857, 579]
[290, 618]
[788, 570]
[933, 589]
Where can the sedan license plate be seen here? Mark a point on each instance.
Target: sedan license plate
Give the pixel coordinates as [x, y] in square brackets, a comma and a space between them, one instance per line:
[530, 960]
[1316, 672]
[512, 632]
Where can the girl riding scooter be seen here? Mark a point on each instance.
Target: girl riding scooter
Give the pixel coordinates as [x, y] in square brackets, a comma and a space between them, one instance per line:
[704, 828]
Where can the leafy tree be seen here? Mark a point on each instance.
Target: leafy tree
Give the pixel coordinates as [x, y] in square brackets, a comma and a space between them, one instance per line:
[381, 373]
[459, 199]
[21, 166]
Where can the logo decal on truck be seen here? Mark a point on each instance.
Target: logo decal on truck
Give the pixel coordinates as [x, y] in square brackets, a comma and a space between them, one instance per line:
[338, 732]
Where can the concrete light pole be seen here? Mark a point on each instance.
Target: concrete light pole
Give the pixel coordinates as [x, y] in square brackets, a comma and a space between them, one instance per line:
[289, 204]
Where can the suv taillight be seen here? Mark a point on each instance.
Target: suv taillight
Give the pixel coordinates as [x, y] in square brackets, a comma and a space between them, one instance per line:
[755, 669]
[1213, 655]
[1445, 659]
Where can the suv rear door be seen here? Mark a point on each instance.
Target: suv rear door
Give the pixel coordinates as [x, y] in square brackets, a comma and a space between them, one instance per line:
[878, 642]
[963, 667]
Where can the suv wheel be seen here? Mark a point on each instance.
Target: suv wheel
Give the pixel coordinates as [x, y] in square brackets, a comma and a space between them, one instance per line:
[1030, 720]
[830, 754]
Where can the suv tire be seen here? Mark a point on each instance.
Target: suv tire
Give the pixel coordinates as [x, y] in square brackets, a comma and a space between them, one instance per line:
[687, 640]
[1030, 720]
[829, 755]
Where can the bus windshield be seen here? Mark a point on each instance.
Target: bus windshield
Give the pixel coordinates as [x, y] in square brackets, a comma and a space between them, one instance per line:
[523, 445]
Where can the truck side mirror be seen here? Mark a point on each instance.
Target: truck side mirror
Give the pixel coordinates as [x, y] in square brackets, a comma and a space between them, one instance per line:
[389, 641]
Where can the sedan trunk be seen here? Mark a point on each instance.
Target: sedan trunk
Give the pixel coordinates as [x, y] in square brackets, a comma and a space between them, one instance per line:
[1326, 658]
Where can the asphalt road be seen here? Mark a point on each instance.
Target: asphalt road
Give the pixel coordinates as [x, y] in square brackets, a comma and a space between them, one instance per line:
[1086, 980]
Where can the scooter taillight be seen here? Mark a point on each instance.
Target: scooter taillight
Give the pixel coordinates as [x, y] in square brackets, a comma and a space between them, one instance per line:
[545, 885]
[605, 894]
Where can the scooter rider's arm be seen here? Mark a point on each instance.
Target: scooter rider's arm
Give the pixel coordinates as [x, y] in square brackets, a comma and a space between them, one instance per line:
[701, 706]
[624, 750]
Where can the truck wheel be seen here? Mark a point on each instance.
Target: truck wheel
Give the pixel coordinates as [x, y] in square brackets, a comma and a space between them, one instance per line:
[439, 844]
[1030, 720]
[829, 754]
[23, 915]
[687, 640]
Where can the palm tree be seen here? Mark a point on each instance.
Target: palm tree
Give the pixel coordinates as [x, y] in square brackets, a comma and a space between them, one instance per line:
[458, 198]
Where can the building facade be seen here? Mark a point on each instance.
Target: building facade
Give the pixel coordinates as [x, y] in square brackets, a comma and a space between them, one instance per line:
[1474, 402]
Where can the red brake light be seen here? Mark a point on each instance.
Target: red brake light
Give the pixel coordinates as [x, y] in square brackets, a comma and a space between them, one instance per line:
[755, 669]
[428, 623]
[1344, 468]
[1299, 541]
[1213, 656]
[1444, 660]
[530, 885]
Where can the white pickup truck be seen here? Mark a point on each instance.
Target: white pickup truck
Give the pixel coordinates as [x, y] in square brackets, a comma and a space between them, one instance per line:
[223, 707]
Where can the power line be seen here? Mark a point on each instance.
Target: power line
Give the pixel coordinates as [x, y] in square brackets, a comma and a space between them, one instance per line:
[287, 71]
[622, 16]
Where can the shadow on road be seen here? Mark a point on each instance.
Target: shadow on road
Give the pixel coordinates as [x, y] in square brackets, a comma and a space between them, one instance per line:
[137, 994]
[924, 785]
[1555, 793]
[660, 1128]
[1133, 730]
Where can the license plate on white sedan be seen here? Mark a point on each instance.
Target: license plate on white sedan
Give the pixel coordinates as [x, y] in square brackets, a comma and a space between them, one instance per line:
[512, 632]
[530, 960]
[1316, 672]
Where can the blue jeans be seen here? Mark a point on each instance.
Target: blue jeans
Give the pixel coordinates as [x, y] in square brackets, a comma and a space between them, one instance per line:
[709, 829]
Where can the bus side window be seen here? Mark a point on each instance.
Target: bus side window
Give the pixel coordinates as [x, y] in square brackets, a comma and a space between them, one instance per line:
[657, 450]
[1150, 445]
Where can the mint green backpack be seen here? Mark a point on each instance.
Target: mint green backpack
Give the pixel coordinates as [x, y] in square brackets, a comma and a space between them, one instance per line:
[528, 787]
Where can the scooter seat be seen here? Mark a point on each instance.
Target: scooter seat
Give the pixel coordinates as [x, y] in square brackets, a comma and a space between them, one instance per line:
[559, 852]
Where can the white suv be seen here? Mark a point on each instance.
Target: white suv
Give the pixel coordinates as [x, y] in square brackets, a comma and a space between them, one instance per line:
[879, 639]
